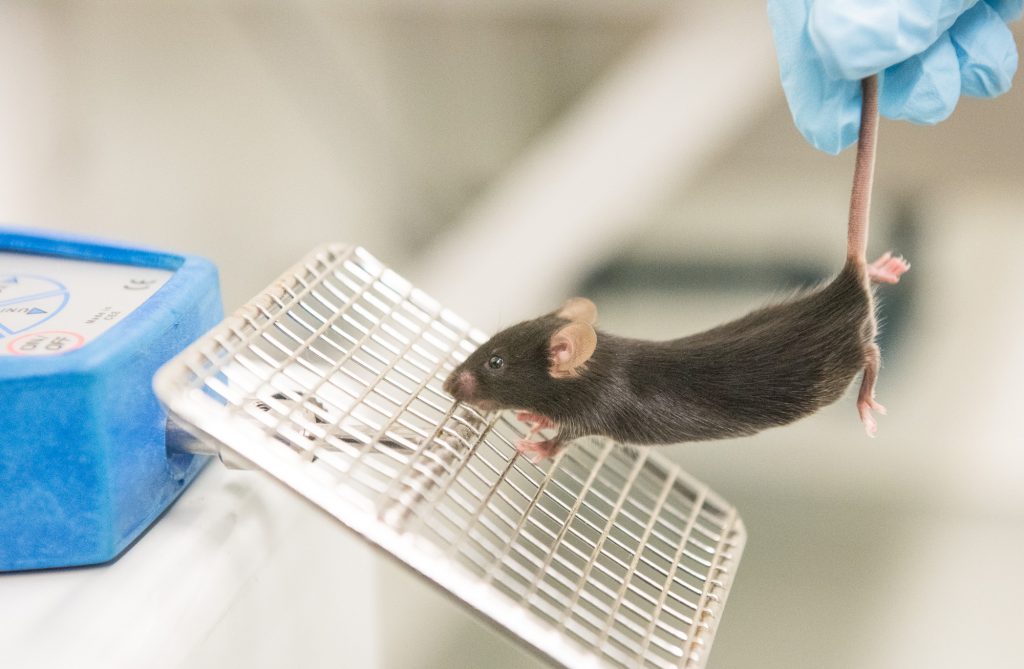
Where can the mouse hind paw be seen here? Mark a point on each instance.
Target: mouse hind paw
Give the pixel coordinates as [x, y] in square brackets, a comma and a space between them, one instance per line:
[866, 397]
[888, 268]
[864, 408]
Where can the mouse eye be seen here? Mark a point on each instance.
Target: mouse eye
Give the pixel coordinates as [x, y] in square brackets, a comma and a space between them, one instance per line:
[496, 362]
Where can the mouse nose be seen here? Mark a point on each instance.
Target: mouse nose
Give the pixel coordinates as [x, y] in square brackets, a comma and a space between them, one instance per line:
[449, 384]
[460, 386]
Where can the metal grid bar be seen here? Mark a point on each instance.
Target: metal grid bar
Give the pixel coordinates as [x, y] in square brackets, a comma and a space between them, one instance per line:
[330, 381]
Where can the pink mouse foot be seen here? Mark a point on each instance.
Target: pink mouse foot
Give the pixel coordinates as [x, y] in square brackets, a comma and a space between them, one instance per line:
[887, 269]
[864, 408]
[537, 451]
[536, 421]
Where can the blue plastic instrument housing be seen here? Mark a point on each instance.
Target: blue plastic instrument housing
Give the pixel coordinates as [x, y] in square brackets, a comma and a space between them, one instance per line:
[84, 468]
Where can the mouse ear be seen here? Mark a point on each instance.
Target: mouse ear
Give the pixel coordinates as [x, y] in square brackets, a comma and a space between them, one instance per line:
[578, 309]
[570, 347]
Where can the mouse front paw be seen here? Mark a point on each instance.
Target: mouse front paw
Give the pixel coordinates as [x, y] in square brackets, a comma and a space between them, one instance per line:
[536, 421]
[537, 451]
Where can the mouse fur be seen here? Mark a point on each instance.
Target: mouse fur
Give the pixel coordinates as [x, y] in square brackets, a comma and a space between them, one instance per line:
[768, 368]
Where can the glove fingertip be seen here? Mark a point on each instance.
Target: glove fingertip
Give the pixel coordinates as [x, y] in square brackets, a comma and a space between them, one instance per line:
[923, 89]
[835, 127]
[1008, 10]
[987, 79]
[986, 52]
[832, 140]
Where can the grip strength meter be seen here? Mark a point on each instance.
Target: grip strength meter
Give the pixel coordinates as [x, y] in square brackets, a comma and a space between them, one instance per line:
[83, 327]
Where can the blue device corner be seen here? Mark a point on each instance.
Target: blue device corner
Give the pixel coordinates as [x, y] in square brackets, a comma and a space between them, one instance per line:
[84, 469]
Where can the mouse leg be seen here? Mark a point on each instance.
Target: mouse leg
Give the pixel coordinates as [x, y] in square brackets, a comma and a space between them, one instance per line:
[887, 269]
[537, 451]
[866, 398]
[536, 421]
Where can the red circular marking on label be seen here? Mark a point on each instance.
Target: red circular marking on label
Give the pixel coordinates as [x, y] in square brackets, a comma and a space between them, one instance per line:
[49, 342]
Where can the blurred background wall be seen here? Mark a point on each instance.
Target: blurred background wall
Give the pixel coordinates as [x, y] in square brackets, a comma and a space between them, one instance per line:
[508, 153]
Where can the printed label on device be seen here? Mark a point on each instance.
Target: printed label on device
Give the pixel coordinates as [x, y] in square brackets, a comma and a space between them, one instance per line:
[55, 305]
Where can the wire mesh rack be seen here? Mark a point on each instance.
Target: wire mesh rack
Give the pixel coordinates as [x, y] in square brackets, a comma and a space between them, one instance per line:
[330, 381]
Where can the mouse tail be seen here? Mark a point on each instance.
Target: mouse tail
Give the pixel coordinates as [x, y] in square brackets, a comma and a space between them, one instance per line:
[863, 175]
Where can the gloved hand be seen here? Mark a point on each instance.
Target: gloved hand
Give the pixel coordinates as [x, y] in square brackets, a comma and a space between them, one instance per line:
[928, 51]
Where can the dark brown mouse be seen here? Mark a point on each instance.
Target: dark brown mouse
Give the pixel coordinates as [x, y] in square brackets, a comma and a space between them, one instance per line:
[771, 367]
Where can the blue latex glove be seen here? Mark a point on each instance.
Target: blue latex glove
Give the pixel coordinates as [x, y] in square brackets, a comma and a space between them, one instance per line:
[928, 51]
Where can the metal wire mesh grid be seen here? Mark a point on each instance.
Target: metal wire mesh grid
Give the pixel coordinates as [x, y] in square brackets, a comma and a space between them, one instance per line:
[330, 381]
